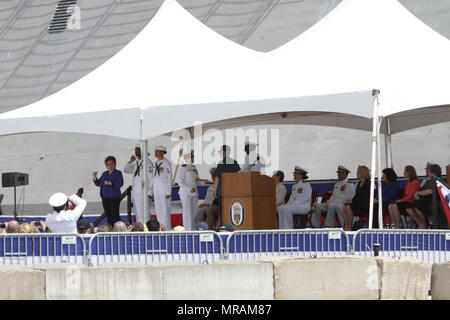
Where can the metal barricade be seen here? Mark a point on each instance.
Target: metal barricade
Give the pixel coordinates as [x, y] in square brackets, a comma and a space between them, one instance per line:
[250, 245]
[32, 248]
[426, 245]
[149, 247]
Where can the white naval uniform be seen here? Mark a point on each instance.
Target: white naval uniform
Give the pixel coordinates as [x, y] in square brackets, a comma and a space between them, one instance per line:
[342, 192]
[66, 221]
[162, 186]
[209, 199]
[136, 192]
[299, 203]
[187, 179]
[280, 194]
[252, 163]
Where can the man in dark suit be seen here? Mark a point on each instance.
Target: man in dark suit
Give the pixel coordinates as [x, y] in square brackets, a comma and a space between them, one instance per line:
[225, 165]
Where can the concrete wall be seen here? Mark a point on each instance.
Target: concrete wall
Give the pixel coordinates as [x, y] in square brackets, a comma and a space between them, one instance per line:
[404, 279]
[440, 281]
[270, 278]
[325, 278]
[21, 283]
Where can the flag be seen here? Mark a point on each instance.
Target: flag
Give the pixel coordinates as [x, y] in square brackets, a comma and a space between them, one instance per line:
[440, 205]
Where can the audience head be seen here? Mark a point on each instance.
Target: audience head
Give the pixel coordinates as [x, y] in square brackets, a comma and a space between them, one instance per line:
[435, 170]
[389, 175]
[105, 228]
[12, 227]
[137, 227]
[342, 173]
[226, 228]
[363, 173]
[163, 227]
[278, 176]
[26, 228]
[84, 226]
[110, 163]
[120, 226]
[153, 225]
[201, 226]
[179, 228]
[410, 173]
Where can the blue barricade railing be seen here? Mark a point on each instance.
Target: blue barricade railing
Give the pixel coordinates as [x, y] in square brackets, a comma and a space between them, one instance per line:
[42, 248]
[148, 247]
[425, 245]
[242, 245]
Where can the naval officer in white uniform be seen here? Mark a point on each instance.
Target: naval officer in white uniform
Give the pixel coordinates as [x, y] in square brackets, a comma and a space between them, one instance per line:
[253, 161]
[343, 191]
[299, 201]
[63, 220]
[162, 187]
[187, 180]
[135, 168]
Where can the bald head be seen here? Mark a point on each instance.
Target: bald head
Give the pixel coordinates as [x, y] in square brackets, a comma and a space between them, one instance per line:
[13, 227]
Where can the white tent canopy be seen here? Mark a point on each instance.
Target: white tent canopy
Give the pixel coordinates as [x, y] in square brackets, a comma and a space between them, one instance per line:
[176, 71]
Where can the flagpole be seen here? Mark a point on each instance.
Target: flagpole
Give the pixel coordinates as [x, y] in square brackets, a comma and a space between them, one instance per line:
[375, 94]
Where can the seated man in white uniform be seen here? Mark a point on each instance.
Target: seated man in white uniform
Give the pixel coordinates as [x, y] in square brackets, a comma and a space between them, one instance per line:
[299, 201]
[63, 220]
[187, 180]
[342, 192]
[253, 161]
[134, 167]
[207, 203]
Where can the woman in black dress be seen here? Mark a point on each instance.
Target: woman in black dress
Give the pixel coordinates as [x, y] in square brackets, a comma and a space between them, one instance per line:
[361, 199]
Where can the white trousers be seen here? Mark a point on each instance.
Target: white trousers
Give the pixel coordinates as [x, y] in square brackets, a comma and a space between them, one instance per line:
[190, 204]
[334, 208]
[137, 208]
[286, 212]
[162, 208]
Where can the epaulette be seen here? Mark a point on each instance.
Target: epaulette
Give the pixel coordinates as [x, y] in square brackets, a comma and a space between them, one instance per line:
[183, 165]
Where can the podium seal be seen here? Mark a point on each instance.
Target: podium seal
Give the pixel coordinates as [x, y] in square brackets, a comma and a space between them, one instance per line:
[237, 213]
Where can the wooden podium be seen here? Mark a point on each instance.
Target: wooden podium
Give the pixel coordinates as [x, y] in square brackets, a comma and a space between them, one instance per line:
[248, 201]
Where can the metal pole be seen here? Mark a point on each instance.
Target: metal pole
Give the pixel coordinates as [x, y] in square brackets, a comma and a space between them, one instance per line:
[145, 181]
[380, 198]
[375, 94]
[388, 144]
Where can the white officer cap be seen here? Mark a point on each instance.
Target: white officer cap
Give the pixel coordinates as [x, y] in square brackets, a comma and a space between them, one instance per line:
[188, 154]
[57, 200]
[299, 169]
[342, 169]
[161, 148]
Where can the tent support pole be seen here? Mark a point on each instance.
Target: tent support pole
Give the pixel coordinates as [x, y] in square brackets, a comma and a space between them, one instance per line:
[380, 198]
[388, 144]
[375, 94]
[145, 182]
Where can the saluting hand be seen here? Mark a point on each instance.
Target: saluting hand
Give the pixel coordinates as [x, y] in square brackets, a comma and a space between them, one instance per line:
[132, 159]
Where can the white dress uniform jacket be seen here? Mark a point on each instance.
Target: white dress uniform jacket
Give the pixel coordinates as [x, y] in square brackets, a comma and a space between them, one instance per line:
[280, 194]
[162, 186]
[66, 221]
[253, 163]
[299, 203]
[135, 168]
[187, 180]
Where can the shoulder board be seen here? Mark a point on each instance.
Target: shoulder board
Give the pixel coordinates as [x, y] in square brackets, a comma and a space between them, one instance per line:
[183, 165]
[349, 182]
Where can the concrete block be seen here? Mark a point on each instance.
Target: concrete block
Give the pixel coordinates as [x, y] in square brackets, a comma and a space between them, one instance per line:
[440, 281]
[325, 278]
[234, 281]
[104, 283]
[21, 283]
[404, 278]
